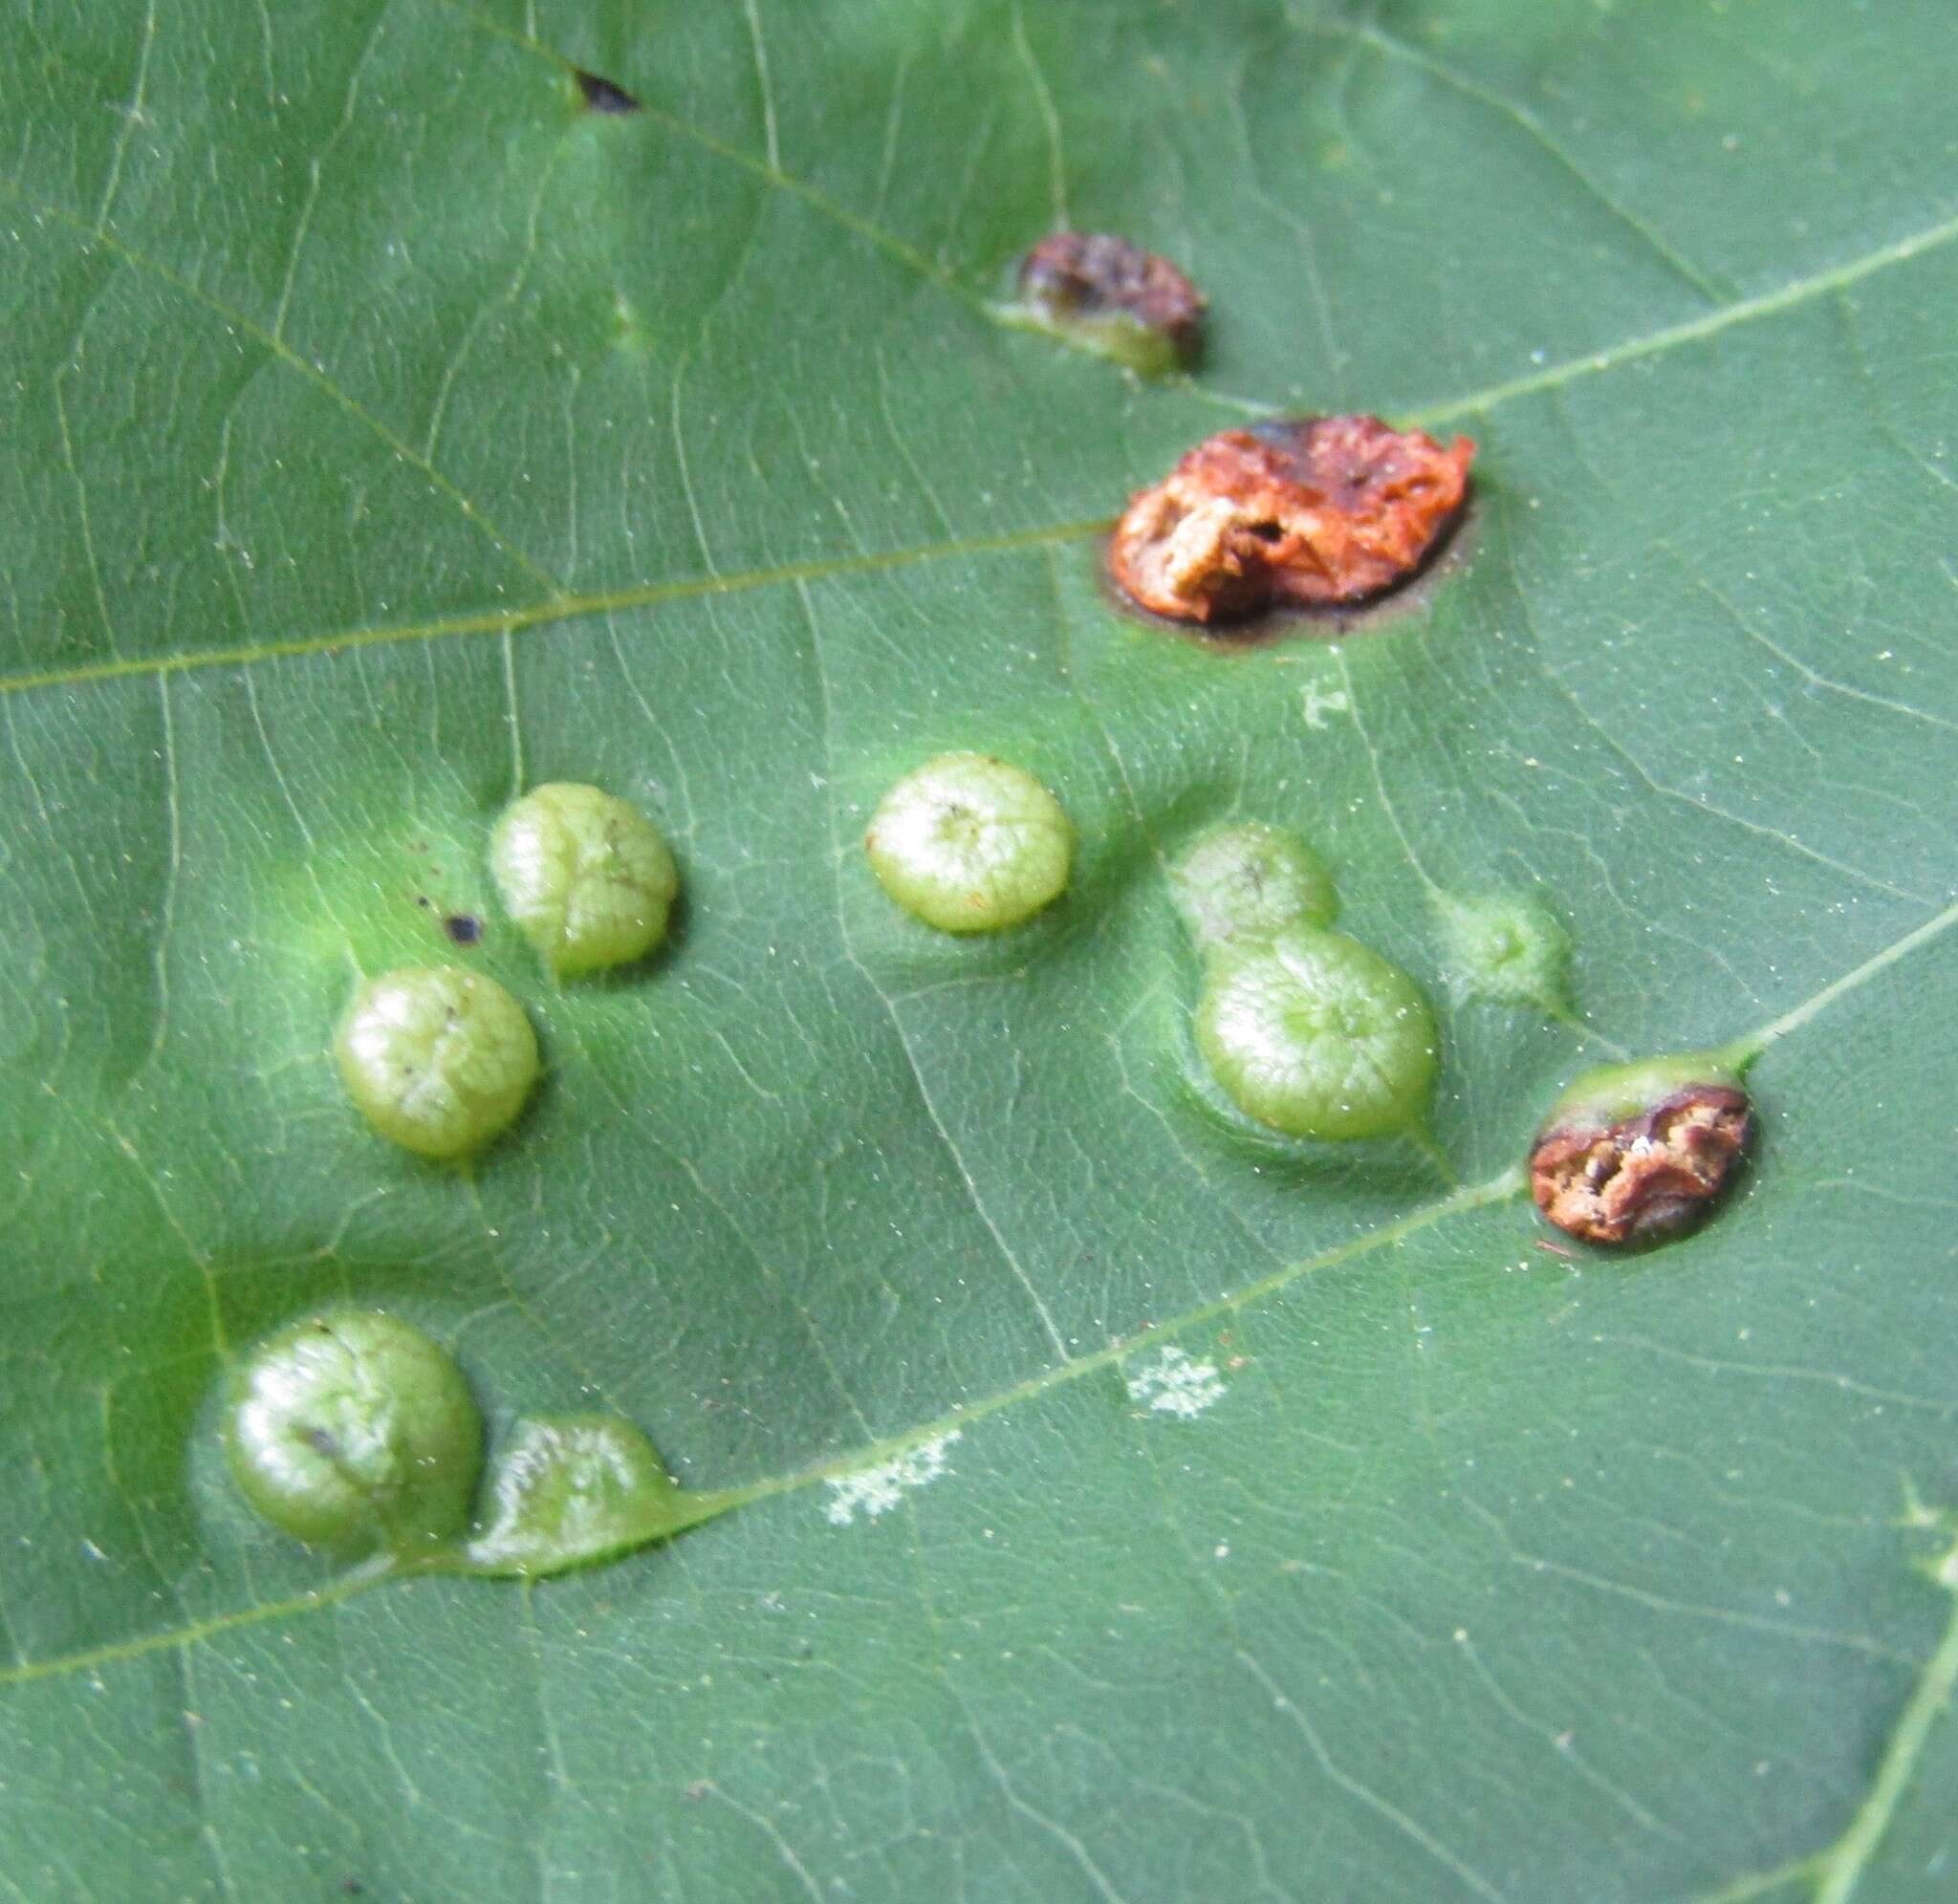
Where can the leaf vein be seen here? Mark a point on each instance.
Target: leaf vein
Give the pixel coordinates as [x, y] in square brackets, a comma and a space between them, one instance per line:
[1473, 1197]
[1527, 121]
[313, 373]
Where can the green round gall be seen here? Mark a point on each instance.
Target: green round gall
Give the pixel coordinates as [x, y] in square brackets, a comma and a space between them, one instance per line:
[1507, 950]
[353, 1430]
[969, 844]
[436, 1058]
[1251, 881]
[1314, 1035]
[587, 877]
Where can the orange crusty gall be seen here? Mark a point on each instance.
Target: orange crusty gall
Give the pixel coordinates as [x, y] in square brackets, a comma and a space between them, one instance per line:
[1645, 1176]
[1306, 512]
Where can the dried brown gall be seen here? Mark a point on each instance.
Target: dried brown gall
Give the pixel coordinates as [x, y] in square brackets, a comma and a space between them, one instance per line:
[1107, 295]
[1308, 511]
[1647, 1178]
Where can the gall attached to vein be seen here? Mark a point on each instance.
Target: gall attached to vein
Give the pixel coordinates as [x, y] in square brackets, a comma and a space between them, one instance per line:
[1638, 1153]
[353, 1430]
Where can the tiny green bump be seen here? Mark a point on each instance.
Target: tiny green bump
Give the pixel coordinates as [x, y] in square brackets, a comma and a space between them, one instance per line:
[1612, 1094]
[969, 844]
[436, 1058]
[1505, 950]
[586, 877]
[353, 1430]
[1249, 880]
[1314, 1035]
[570, 1489]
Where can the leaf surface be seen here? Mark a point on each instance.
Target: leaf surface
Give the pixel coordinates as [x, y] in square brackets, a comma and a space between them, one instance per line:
[1131, 1509]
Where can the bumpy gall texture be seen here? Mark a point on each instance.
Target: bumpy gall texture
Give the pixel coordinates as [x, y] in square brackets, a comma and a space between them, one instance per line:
[571, 1489]
[1113, 297]
[1645, 1176]
[1249, 880]
[353, 1430]
[1314, 1035]
[969, 844]
[1508, 950]
[587, 877]
[1321, 511]
[437, 1058]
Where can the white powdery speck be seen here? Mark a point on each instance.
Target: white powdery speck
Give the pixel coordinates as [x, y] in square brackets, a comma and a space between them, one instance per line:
[1319, 703]
[1175, 1385]
[877, 1489]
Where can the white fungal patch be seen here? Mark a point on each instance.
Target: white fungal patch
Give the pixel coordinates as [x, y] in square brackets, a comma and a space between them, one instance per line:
[876, 1490]
[1176, 1385]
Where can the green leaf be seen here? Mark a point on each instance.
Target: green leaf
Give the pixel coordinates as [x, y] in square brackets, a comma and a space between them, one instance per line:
[1094, 1498]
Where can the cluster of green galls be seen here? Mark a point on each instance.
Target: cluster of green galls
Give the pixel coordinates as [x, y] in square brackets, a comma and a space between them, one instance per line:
[353, 1431]
[442, 1059]
[1306, 1029]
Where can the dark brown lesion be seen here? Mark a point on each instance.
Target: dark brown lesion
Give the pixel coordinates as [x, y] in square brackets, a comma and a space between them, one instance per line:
[604, 96]
[1307, 512]
[1647, 1178]
[1082, 275]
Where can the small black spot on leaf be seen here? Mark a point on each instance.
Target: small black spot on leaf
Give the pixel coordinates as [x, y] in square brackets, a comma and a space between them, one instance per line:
[464, 928]
[601, 95]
